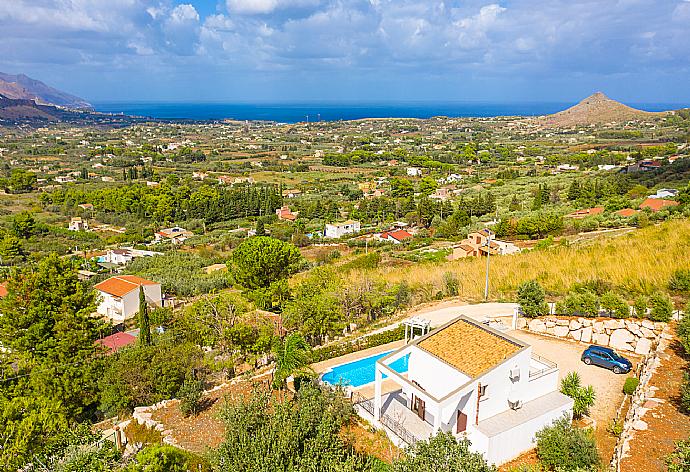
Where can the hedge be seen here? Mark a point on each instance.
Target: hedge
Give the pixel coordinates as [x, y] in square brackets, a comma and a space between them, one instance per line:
[364, 342]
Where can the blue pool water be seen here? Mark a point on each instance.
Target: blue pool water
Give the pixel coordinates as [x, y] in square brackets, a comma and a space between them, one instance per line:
[361, 372]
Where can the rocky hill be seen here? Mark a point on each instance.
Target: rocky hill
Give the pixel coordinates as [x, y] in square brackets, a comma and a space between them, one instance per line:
[21, 87]
[596, 109]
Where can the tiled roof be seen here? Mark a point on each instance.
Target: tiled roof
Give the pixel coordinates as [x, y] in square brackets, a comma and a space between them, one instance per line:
[121, 285]
[116, 341]
[626, 212]
[656, 204]
[3, 289]
[469, 347]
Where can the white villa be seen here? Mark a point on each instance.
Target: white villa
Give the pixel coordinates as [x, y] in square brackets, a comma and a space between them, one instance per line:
[338, 230]
[119, 296]
[471, 380]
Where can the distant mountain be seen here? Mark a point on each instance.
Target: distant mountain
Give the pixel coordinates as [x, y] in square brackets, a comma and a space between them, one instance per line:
[21, 87]
[598, 108]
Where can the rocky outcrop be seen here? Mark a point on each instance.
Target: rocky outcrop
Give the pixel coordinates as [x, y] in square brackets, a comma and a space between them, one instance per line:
[630, 335]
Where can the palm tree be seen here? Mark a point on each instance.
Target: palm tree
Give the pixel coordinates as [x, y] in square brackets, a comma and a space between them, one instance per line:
[292, 357]
[583, 396]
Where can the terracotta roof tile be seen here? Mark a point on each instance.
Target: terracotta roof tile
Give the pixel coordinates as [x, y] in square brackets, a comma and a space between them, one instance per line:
[121, 285]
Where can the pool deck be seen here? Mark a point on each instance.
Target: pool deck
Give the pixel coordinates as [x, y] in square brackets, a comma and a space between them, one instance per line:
[323, 366]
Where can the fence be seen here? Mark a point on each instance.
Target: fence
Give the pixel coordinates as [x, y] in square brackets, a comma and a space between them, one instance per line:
[550, 366]
[387, 421]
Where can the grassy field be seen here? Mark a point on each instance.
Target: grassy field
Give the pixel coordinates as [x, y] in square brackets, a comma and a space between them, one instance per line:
[635, 263]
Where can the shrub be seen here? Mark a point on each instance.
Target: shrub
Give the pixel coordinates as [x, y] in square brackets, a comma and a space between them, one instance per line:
[580, 304]
[584, 397]
[563, 447]
[337, 350]
[640, 306]
[531, 299]
[630, 385]
[190, 395]
[161, 458]
[679, 460]
[452, 284]
[426, 456]
[680, 281]
[661, 307]
[683, 330]
[614, 306]
[685, 393]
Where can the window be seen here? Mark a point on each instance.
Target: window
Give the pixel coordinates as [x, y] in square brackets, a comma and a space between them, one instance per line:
[482, 391]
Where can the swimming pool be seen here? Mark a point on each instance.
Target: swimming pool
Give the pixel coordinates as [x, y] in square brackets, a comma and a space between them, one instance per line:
[362, 371]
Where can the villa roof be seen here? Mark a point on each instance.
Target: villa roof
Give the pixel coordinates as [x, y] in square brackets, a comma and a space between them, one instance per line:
[469, 346]
[121, 285]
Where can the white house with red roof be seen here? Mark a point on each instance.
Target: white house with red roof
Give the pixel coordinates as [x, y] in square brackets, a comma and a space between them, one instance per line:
[397, 236]
[174, 235]
[119, 296]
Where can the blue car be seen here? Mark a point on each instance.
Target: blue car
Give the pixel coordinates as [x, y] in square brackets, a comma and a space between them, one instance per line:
[607, 358]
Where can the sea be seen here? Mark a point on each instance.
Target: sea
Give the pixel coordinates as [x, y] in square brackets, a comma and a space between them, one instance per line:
[289, 112]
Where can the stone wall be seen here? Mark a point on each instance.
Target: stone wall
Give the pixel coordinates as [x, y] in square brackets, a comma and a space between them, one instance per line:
[630, 335]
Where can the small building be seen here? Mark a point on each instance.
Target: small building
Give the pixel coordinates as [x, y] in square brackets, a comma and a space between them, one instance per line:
[125, 255]
[115, 342]
[86, 206]
[397, 236]
[663, 193]
[481, 243]
[472, 381]
[284, 213]
[414, 171]
[78, 224]
[119, 296]
[627, 212]
[174, 235]
[657, 204]
[292, 193]
[338, 230]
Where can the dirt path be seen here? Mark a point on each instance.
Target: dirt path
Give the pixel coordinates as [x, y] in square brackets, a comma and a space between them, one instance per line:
[666, 424]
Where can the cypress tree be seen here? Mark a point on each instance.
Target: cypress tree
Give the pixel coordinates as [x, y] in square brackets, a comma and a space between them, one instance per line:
[144, 327]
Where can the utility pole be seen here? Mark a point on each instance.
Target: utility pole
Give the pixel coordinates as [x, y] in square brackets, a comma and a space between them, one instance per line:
[488, 254]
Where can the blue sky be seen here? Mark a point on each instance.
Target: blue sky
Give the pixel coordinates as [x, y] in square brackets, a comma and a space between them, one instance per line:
[293, 50]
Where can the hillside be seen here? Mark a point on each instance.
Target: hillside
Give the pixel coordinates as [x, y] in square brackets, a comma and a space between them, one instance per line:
[596, 109]
[22, 87]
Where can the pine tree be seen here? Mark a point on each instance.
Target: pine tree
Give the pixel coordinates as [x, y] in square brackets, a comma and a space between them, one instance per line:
[144, 326]
[260, 229]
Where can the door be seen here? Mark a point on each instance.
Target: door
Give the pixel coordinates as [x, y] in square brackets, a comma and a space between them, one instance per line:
[418, 406]
[461, 424]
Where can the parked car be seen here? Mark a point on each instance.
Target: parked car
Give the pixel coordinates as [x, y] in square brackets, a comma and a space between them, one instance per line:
[607, 358]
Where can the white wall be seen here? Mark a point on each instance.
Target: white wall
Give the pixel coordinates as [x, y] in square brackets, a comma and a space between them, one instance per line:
[433, 375]
[120, 309]
[510, 444]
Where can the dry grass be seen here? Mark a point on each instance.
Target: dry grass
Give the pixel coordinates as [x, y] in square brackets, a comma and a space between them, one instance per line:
[638, 262]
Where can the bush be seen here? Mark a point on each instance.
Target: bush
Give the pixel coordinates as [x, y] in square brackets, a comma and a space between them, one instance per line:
[630, 385]
[373, 340]
[683, 331]
[580, 304]
[583, 397]
[680, 281]
[679, 460]
[563, 447]
[427, 456]
[164, 458]
[614, 306]
[685, 393]
[452, 284]
[662, 307]
[531, 299]
[190, 395]
[640, 306]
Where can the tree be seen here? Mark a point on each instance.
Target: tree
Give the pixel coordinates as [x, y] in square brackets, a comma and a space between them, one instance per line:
[23, 224]
[48, 333]
[584, 397]
[584, 303]
[260, 229]
[10, 248]
[291, 357]
[190, 395]
[401, 187]
[564, 447]
[427, 186]
[442, 453]
[144, 325]
[640, 306]
[258, 262]
[531, 299]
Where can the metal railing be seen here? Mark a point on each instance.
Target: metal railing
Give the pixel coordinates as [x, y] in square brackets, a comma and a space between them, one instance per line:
[386, 420]
[398, 429]
[550, 367]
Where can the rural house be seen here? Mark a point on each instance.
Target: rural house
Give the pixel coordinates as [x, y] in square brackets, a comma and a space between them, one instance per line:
[119, 296]
[174, 235]
[475, 382]
[338, 230]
